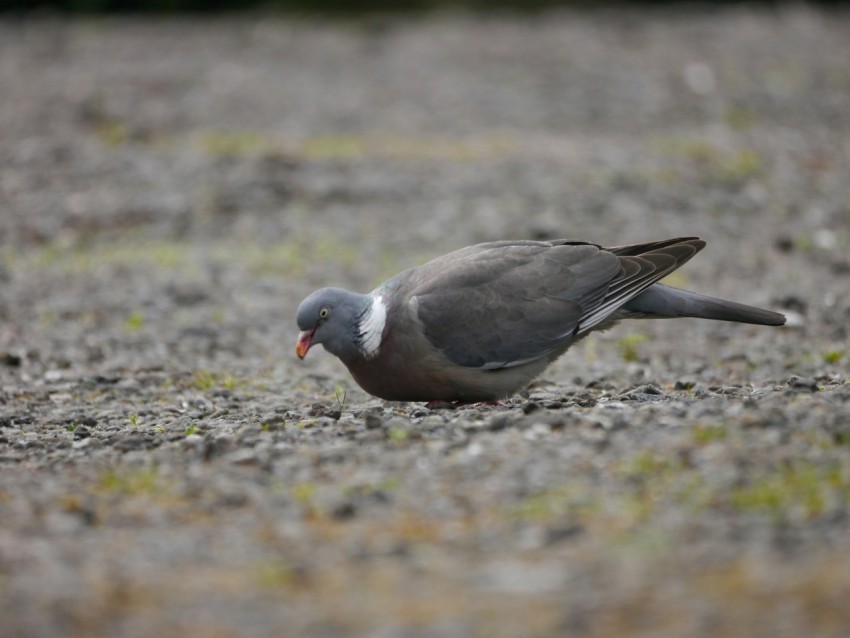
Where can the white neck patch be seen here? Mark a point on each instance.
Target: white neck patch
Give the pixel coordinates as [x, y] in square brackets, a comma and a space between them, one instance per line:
[371, 327]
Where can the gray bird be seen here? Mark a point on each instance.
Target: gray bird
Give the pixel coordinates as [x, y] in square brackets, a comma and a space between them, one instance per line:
[480, 323]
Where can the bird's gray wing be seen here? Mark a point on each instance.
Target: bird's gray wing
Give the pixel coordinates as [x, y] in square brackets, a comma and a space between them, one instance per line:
[507, 303]
[643, 265]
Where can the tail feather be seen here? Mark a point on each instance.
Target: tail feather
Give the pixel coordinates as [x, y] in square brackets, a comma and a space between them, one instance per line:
[661, 301]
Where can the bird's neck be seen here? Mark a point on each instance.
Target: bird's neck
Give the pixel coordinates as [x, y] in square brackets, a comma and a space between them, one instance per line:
[370, 325]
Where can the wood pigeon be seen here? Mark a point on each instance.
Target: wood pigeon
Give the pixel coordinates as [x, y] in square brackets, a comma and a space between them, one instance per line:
[480, 323]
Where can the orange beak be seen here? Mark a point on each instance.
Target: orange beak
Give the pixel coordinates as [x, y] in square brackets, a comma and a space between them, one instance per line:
[305, 340]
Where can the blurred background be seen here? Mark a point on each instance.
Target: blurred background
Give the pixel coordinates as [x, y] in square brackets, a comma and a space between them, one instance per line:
[171, 6]
[176, 176]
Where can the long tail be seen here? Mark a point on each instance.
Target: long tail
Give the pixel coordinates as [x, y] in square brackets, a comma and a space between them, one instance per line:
[662, 302]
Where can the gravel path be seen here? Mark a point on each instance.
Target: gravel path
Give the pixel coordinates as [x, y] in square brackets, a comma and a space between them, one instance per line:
[170, 190]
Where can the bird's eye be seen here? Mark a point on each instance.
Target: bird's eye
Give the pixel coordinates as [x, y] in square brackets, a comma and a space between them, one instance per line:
[324, 312]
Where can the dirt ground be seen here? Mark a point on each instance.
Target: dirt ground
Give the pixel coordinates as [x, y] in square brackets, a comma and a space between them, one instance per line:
[170, 190]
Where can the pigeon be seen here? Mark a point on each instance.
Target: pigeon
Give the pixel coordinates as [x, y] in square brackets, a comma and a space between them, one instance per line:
[479, 324]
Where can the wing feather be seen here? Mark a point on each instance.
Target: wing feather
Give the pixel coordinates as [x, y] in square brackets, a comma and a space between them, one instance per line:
[504, 304]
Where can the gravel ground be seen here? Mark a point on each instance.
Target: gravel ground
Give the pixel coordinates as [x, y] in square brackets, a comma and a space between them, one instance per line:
[170, 190]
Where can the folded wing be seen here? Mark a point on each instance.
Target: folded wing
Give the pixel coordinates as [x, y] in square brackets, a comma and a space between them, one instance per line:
[504, 304]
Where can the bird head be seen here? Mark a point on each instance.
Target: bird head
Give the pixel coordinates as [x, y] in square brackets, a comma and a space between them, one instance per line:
[330, 317]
